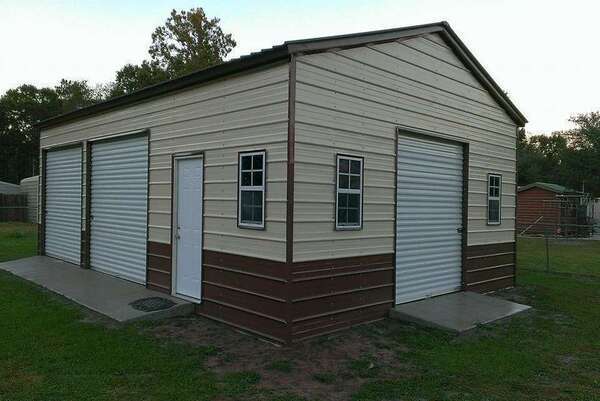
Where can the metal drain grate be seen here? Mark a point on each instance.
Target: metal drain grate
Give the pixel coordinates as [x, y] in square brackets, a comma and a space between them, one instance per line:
[152, 304]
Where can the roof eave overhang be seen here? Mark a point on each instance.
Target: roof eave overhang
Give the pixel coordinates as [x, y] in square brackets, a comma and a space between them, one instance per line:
[242, 64]
[482, 75]
[282, 52]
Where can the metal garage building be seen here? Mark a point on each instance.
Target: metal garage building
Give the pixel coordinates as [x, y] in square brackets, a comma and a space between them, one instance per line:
[299, 190]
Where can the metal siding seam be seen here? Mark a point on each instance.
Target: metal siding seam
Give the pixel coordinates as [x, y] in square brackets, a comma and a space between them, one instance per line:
[397, 133]
[465, 212]
[88, 201]
[42, 213]
[149, 140]
[516, 204]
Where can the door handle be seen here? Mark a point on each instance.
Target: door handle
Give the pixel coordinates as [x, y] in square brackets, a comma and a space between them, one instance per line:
[177, 236]
[459, 230]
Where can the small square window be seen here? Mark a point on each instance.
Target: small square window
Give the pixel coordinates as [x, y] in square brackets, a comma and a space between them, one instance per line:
[246, 162]
[344, 181]
[246, 178]
[257, 178]
[257, 162]
[344, 163]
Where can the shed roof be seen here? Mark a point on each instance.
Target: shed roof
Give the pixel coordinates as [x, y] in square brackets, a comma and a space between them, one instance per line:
[285, 50]
[559, 189]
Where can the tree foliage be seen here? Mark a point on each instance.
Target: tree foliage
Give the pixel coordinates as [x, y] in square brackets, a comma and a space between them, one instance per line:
[570, 158]
[133, 77]
[188, 41]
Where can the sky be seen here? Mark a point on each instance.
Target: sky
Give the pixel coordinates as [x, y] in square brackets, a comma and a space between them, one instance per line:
[544, 54]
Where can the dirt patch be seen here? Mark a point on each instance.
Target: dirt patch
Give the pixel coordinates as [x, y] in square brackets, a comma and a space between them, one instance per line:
[330, 367]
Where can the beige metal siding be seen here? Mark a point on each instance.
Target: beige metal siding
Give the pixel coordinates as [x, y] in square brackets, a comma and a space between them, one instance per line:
[350, 101]
[245, 112]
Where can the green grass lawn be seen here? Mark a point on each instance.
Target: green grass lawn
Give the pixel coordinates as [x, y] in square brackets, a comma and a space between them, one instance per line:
[51, 350]
[566, 255]
[17, 240]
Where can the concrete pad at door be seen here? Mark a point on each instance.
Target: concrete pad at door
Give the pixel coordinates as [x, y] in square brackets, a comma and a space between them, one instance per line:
[457, 312]
[102, 293]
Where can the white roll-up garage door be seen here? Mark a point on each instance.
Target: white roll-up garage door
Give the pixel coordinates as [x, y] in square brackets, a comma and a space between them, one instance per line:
[119, 194]
[63, 204]
[429, 218]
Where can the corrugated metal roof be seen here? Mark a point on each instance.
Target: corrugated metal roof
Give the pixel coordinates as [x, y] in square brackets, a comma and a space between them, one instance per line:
[283, 51]
[9, 188]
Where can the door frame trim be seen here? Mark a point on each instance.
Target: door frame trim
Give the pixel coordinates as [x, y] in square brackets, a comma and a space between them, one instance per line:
[433, 135]
[175, 158]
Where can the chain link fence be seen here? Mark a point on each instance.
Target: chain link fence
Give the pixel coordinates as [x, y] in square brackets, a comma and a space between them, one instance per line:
[562, 246]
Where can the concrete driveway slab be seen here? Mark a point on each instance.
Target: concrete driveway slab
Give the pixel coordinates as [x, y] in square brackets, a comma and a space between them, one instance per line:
[457, 312]
[97, 291]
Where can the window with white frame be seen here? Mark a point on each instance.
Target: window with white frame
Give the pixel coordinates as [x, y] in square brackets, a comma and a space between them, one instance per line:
[251, 196]
[494, 198]
[349, 192]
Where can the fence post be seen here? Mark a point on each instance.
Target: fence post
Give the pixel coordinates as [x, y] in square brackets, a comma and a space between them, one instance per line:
[547, 256]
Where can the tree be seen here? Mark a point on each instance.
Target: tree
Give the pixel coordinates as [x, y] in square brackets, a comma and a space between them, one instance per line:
[20, 109]
[570, 158]
[187, 42]
[584, 158]
[133, 77]
[586, 134]
[77, 94]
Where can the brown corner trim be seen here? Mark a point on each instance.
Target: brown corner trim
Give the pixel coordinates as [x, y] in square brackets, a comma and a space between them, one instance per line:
[465, 214]
[516, 202]
[291, 144]
[289, 218]
[42, 213]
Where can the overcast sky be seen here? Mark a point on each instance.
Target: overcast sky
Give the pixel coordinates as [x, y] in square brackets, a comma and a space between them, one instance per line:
[545, 54]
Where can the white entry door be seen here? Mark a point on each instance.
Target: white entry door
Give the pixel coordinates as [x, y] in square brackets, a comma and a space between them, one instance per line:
[188, 228]
[428, 218]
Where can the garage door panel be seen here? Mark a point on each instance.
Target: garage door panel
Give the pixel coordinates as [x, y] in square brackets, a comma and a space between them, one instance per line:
[428, 214]
[63, 204]
[119, 197]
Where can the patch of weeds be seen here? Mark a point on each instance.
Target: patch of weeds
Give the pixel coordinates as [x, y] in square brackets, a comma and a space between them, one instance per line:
[324, 377]
[236, 383]
[282, 365]
[228, 357]
[209, 350]
[286, 396]
[363, 367]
